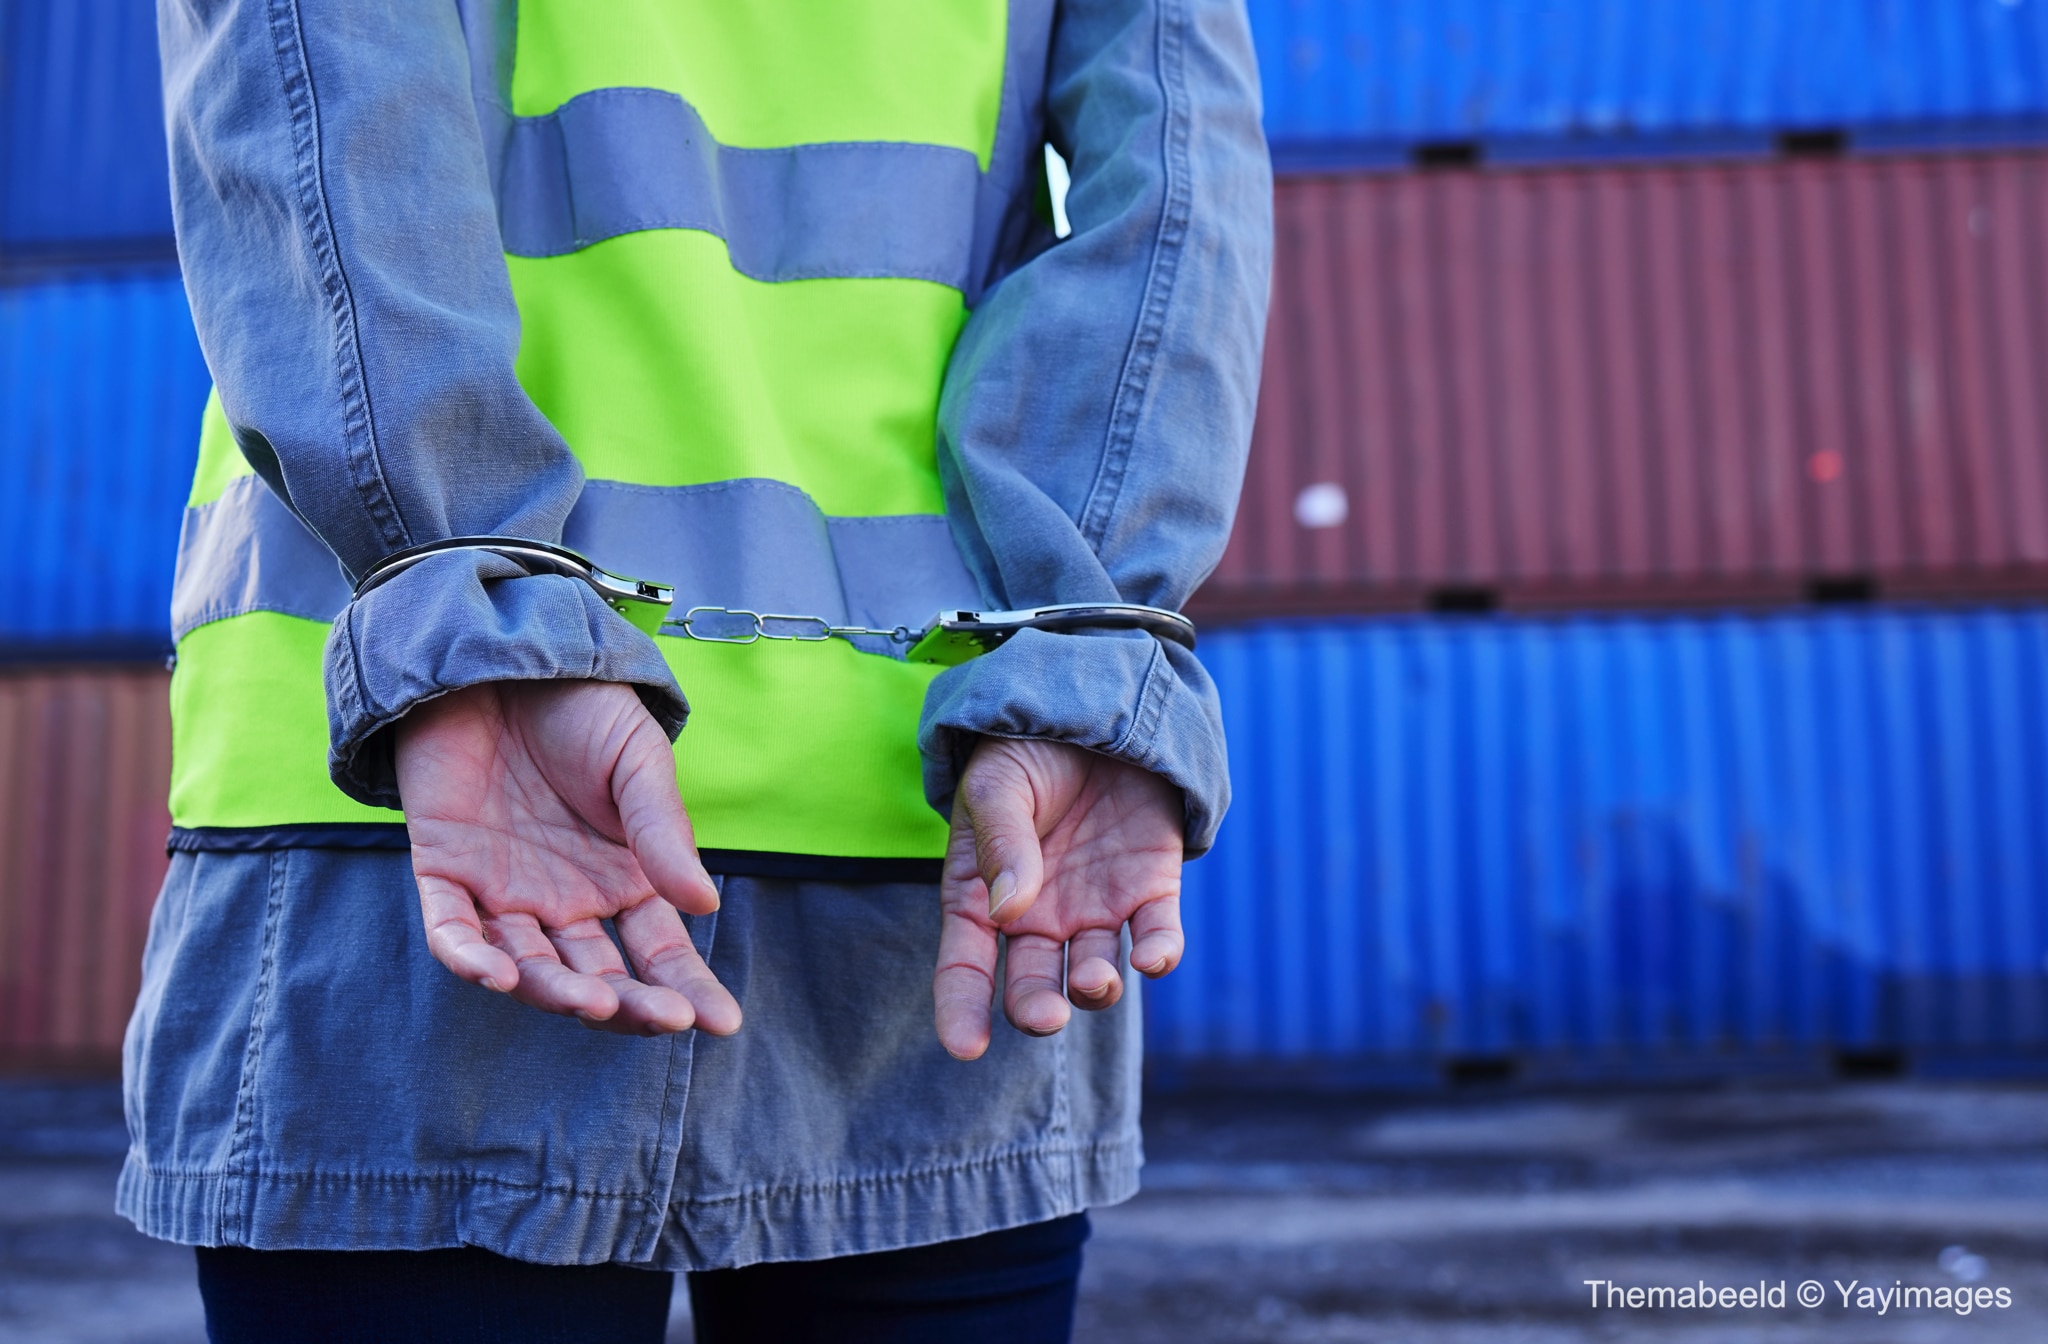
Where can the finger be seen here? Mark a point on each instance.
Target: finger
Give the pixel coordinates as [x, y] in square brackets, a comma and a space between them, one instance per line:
[1156, 939]
[960, 885]
[1003, 812]
[964, 983]
[657, 825]
[544, 982]
[644, 1010]
[659, 944]
[456, 937]
[1092, 979]
[1031, 984]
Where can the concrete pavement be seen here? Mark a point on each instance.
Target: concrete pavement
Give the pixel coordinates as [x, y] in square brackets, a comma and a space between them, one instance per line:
[1456, 1219]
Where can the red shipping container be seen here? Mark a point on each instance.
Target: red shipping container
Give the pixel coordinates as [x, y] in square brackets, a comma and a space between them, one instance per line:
[1631, 385]
[85, 768]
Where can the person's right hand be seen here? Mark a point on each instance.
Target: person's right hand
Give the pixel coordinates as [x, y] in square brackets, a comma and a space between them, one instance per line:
[538, 810]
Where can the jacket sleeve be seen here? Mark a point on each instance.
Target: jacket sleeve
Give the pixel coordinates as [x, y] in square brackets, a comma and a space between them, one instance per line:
[341, 251]
[1098, 410]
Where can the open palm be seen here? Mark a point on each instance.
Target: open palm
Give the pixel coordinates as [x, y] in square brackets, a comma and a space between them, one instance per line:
[1057, 849]
[538, 810]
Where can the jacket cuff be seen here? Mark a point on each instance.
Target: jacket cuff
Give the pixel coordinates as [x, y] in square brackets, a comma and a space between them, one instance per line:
[462, 619]
[1129, 696]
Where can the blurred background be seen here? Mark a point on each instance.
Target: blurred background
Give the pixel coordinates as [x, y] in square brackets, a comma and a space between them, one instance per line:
[1631, 640]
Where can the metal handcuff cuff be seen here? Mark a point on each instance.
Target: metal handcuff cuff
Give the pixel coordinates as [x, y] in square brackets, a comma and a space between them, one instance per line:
[947, 639]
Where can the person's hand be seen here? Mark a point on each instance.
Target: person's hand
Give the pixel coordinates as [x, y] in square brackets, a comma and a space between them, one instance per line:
[537, 810]
[1057, 848]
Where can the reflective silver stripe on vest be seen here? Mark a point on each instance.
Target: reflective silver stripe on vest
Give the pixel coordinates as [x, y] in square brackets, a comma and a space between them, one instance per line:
[757, 544]
[247, 552]
[622, 160]
[617, 161]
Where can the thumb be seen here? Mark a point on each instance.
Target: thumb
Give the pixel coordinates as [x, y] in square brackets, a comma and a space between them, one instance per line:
[657, 827]
[1002, 809]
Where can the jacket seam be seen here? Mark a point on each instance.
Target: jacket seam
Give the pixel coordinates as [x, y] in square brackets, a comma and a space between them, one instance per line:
[359, 428]
[1134, 387]
[385, 1178]
[1015, 1157]
[364, 706]
[242, 1132]
[657, 1209]
[883, 1180]
[1135, 745]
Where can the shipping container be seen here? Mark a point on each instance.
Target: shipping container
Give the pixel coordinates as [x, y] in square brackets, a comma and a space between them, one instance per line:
[101, 388]
[1368, 81]
[1633, 845]
[85, 763]
[82, 159]
[1725, 382]
[83, 169]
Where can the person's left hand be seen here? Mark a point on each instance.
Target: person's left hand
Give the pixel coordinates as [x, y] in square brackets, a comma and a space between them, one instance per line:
[1057, 848]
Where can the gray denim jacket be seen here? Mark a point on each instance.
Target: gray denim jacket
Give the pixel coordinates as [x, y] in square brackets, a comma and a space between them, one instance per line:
[341, 246]
[299, 1071]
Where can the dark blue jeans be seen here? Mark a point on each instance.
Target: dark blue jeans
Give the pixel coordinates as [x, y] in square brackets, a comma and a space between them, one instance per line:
[1010, 1287]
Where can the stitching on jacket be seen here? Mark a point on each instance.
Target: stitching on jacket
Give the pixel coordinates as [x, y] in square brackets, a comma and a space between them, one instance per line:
[586, 604]
[1133, 388]
[397, 1178]
[359, 431]
[1063, 1112]
[1136, 743]
[361, 711]
[1104, 1147]
[882, 1180]
[686, 1046]
[241, 1136]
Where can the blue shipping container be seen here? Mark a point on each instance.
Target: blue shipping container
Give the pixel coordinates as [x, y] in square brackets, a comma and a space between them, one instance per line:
[1635, 844]
[1359, 79]
[82, 160]
[82, 156]
[101, 387]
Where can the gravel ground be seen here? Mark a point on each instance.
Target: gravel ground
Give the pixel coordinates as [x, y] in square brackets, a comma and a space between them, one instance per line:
[1456, 1220]
[1478, 1221]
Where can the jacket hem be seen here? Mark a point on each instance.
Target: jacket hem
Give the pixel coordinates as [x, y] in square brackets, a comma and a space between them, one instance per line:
[553, 1224]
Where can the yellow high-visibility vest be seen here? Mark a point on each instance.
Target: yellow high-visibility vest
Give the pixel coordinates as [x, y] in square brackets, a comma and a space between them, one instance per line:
[743, 238]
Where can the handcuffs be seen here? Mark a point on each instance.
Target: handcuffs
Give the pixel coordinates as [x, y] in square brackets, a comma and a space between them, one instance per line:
[947, 639]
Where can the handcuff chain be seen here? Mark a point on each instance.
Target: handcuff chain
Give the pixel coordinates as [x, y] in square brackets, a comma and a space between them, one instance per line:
[821, 629]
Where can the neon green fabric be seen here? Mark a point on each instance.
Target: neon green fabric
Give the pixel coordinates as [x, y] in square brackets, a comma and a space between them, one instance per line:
[249, 727]
[662, 365]
[220, 461]
[793, 72]
[762, 743]
[803, 749]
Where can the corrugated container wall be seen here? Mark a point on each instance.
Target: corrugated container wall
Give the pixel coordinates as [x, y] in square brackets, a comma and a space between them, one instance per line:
[101, 388]
[1347, 78]
[82, 161]
[1649, 384]
[1633, 844]
[84, 769]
